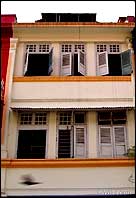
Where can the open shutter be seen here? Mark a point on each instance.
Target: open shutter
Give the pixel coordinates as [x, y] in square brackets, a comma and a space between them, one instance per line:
[105, 142]
[79, 142]
[26, 62]
[50, 62]
[126, 63]
[102, 63]
[119, 140]
[66, 64]
[81, 63]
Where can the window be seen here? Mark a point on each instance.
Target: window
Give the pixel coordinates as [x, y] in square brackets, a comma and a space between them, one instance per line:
[111, 62]
[38, 60]
[31, 144]
[71, 135]
[73, 60]
[112, 134]
[32, 135]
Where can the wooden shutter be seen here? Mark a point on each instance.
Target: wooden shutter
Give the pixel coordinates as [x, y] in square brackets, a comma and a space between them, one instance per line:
[81, 63]
[102, 63]
[64, 144]
[26, 62]
[66, 63]
[105, 141]
[79, 142]
[126, 63]
[50, 62]
[119, 140]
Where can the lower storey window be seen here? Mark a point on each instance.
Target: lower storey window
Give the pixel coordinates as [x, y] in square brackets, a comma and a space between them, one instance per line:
[72, 143]
[31, 144]
[112, 134]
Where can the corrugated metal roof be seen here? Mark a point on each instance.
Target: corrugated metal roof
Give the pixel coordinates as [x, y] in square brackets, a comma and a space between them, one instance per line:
[71, 108]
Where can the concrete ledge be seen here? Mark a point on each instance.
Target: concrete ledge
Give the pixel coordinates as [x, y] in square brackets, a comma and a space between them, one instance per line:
[66, 163]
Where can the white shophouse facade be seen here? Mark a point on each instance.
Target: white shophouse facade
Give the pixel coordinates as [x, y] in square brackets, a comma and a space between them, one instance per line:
[70, 111]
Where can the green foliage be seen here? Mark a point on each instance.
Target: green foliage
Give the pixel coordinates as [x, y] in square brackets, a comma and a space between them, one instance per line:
[131, 152]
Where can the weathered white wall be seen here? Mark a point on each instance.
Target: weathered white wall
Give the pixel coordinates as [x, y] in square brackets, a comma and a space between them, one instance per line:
[55, 181]
[68, 90]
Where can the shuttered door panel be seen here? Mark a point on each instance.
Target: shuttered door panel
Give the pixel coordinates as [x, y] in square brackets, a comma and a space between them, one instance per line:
[119, 140]
[105, 142]
[79, 142]
[66, 64]
[102, 63]
[126, 63]
[26, 62]
[64, 146]
[81, 63]
[50, 62]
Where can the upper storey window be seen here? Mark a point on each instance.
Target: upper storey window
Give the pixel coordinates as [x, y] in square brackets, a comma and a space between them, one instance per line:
[38, 60]
[73, 60]
[111, 61]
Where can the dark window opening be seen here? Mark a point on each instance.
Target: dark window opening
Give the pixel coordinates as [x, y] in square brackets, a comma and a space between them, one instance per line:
[115, 117]
[79, 118]
[38, 65]
[75, 66]
[64, 148]
[114, 63]
[31, 144]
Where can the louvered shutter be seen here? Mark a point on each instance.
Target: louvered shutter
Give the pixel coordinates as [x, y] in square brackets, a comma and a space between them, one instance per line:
[50, 62]
[105, 142]
[66, 64]
[79, 142]
[126, 63]
[81, 63]
[119, 140]
[102, 63]
[26, 62]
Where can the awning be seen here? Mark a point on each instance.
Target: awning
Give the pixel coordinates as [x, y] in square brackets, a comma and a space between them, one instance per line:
[69, 106]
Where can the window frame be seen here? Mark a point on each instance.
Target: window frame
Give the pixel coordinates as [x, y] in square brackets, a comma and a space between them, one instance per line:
[33, 127]
[72, 127]
[72, 51]
[37, 50]
[120, 52]
[112, 127]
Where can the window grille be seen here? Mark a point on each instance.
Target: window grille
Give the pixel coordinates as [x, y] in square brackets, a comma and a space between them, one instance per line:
[101, 48]
[65, 118]
[40, 118]
[38, 48]
[31, 48]
[44, 48]
[80, 46]
[25, 118]
[114, 48]
[29, 118]
[66, 48]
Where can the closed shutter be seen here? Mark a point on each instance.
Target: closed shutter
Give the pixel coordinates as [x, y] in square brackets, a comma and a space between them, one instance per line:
[126, 63]
[79, 142]
[102, 63]
[64, 144]
[81, 63]
[119, 140]
[66, 64]
[50, 62]
[26, 62]
[105, 142]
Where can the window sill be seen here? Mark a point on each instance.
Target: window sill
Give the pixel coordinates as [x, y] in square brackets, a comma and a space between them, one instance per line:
[66, 163]
[70, 78]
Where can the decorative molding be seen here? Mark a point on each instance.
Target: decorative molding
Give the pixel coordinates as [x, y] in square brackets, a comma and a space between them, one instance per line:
[66, 163]
[71, 78]
[76, 100]
[72, 24]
